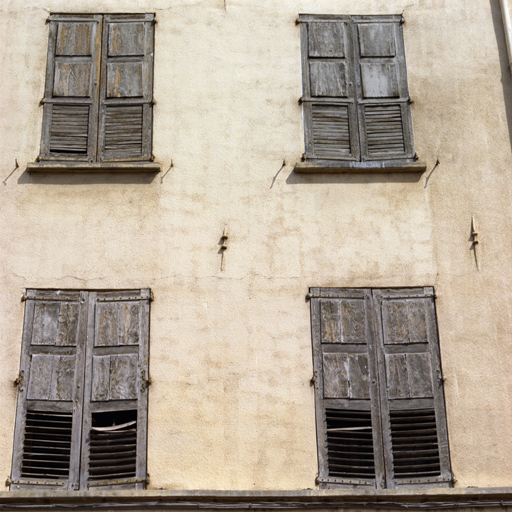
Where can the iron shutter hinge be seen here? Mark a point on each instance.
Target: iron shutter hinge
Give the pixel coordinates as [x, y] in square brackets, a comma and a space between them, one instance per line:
[146, 382]
[314, 379]
[19, 380]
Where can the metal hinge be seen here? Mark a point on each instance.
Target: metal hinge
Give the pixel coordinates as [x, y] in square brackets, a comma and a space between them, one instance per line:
[19, 380]
[145, 382]
[118, 482]
[314, 379]
[10, 481]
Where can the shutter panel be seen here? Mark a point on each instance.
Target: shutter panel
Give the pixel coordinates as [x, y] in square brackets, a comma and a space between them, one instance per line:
[115, 402]
[348, 427]
[383, 99]
[330, 120]
[412, 399]
[127, 87]
[50, 395]
[71, 90]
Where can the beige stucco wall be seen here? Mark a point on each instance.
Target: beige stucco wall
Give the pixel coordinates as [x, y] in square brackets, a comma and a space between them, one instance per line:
[230, 405]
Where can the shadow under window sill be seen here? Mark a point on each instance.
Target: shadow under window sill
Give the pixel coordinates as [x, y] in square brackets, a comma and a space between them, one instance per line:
[338, 166]
[97, 167]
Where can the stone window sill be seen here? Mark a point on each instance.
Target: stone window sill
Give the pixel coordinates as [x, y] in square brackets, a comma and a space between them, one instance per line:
[101, 167]
[338, 166]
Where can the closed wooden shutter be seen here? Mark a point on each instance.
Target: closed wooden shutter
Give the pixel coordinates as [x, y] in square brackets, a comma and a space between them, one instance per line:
[330, 118]
[380, 411]
[382, 94]
[81, 419]
[127, 87]
[50, 395]
[412, 398]
[115, 402]
[355, 94]
[348, 425]
[71, 91]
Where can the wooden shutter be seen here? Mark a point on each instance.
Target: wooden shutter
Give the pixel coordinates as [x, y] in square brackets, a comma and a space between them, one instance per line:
[345, 378]
[412, 399]
[126, 88]
[116, 380]
[330, 120]
[385, 129]
[50, 394]
[71, 90]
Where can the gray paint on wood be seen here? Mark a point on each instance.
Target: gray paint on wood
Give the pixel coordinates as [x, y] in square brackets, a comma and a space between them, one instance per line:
[74, 39]
[328, 78]
[376, 40]
[114, 377]
[126, 39]
[346, 376]
[72, 79]
[326, 39]
[124, 79]
[379, 80]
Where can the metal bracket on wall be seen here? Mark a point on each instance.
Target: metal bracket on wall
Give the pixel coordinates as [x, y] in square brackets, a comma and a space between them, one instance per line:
[474, 241]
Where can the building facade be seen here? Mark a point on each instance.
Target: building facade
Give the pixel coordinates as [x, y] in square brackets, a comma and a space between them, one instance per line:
[256, 254]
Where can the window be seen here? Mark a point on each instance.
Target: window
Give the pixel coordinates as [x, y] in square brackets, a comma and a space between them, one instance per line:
[82, 396]
[99, 88]
[355, 96]
[378, 385]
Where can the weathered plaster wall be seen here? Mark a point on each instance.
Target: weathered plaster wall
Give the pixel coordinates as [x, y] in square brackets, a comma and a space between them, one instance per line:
[230, 405]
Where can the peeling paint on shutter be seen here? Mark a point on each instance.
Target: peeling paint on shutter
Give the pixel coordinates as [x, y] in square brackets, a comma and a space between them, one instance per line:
[49, 413]
[127, 87]
[115, 402]
[98, 102]
[412, 399]
[71, 90]
[345, 389]
[330, 119]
